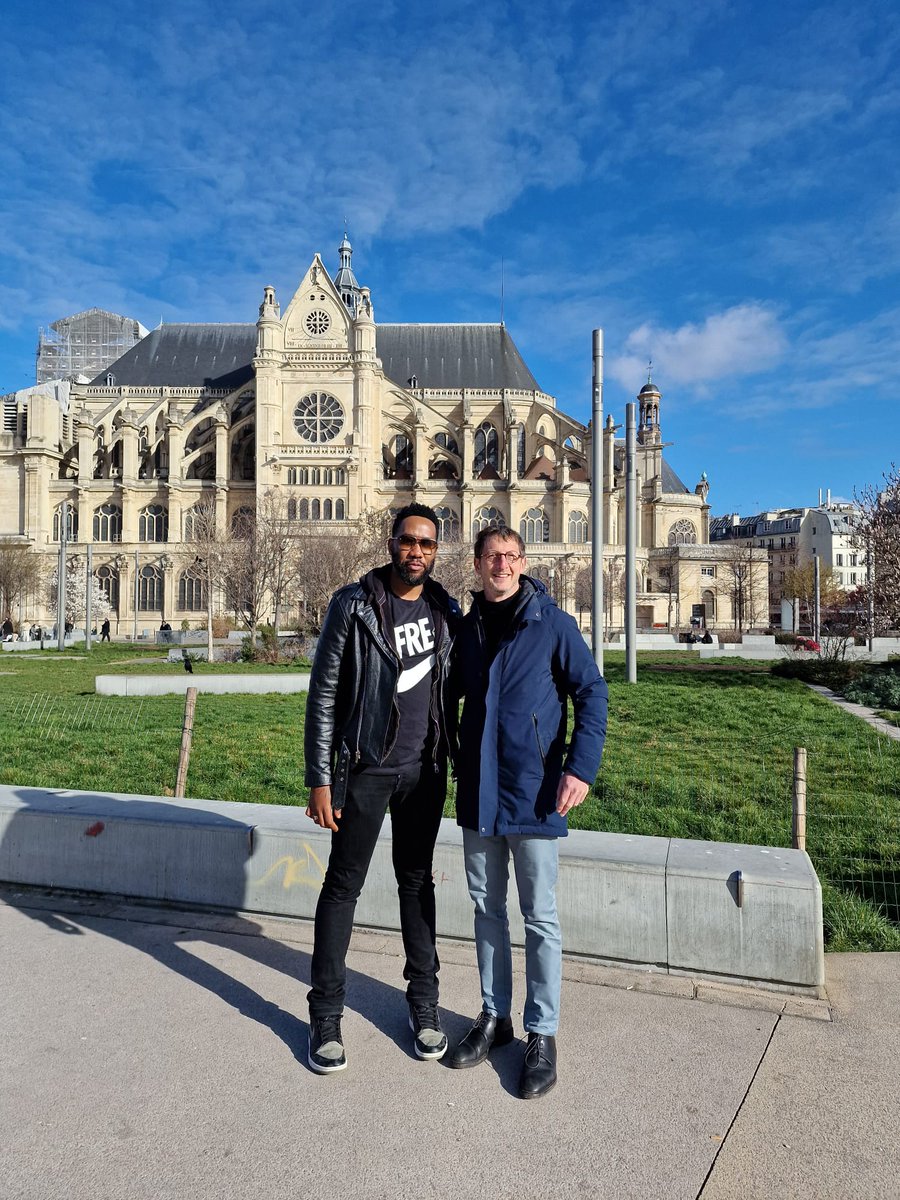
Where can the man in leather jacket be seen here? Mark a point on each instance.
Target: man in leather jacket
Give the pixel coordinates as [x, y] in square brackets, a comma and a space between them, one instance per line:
[376, 739]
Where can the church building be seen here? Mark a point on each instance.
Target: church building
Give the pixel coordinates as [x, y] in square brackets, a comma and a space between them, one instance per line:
[338, 415]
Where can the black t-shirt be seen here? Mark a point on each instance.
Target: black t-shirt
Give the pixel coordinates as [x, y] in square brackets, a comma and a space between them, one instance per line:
[496, 618]
[411, 624]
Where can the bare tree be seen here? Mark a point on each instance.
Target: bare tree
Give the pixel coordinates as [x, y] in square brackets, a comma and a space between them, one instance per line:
[738, 580]
[454, 570]
[665, 562]
[278, 549]
[800, 583]
[878, 533]
[20, 574]
[208, 556]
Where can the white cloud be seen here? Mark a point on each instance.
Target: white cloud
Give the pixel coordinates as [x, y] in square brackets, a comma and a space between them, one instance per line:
[744, 340]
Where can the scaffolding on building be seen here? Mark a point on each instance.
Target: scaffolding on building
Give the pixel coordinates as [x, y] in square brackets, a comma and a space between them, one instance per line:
[84, 344]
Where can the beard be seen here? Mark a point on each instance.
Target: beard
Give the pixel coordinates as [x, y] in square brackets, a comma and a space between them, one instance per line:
[398, 562]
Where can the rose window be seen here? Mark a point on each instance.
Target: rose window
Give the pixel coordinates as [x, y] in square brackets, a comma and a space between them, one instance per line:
[318, 417]
[318, 321]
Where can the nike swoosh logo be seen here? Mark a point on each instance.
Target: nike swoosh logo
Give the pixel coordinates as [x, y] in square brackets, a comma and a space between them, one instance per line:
[409, 679]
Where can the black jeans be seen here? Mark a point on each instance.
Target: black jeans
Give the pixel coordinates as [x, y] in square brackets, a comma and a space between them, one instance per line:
[415, 796]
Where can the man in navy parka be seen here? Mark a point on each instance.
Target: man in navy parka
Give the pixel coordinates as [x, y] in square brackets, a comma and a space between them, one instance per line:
[518, 661]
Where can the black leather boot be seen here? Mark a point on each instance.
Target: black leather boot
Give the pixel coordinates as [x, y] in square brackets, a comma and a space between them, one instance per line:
[488, 1031]
[539, 1069]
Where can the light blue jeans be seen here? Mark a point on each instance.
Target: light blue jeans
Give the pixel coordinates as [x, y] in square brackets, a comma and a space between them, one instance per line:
[536, 862]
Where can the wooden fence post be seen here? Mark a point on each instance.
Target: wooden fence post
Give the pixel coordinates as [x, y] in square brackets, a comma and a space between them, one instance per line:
[187, 733]
[798, 823]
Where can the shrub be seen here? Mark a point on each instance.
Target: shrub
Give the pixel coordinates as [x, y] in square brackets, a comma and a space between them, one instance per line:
[877, 689]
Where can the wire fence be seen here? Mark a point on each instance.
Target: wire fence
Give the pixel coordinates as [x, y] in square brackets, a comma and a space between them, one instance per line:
[51, 715]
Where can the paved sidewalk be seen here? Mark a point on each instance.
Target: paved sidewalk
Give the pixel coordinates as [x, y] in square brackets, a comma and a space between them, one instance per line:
[153, 1055]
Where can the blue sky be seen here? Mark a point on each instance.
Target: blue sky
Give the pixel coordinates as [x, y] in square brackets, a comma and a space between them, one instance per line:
[717, 186]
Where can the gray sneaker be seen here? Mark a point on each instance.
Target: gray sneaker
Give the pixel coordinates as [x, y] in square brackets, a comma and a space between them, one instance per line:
[431, 1041]
[326, 1047]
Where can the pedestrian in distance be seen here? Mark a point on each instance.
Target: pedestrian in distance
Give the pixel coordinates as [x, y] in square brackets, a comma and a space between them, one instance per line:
[104, 631]
[518, 661]
[376, 739]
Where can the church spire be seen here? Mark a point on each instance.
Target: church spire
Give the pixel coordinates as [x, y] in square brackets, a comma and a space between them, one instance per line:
[345, 280]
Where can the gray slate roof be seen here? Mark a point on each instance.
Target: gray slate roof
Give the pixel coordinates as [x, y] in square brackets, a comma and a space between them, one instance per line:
[440, 356]
[670, 481]
[453, 356]
[215, 356]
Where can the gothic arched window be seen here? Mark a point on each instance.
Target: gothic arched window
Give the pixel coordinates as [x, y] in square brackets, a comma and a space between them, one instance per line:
[486, 448]
[153, 524]
[578, 528]
[534, 526]
[486, 518]
[108, 581]
[71, 523]
[191, 593]
[683, 533]
[448, 525]
[108, 523]
[150, 589]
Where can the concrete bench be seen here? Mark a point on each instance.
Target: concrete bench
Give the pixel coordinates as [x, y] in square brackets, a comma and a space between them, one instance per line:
[746, 914]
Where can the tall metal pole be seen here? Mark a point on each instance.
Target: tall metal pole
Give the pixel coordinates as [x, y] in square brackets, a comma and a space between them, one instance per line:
[597, 502]
[630, 545]
[137, 593]
[88, 596]
[817, 600]
[870, 598]
[61, 577]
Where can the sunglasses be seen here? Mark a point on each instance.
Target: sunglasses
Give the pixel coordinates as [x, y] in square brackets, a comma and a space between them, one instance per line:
[406, 542]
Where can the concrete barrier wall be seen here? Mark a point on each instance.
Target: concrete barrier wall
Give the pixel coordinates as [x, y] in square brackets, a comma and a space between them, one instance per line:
[177, 685]
[744, 913]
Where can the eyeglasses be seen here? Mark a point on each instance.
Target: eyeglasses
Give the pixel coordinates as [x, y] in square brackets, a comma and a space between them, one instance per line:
[406, 542]
[510, 555]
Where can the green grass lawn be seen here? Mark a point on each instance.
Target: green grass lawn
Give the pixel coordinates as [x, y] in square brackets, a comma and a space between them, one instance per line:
[698, 751]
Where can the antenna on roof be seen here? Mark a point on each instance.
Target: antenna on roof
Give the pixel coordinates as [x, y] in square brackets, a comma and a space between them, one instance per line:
[649, 370]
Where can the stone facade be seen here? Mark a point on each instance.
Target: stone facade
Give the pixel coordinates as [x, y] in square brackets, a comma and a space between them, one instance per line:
[338, 416]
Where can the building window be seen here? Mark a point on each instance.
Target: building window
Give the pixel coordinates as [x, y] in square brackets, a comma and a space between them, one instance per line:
[108, 523]
[318, 322]
[242, 522]
[108, 581]
[534, 526]
[854, 560]
[153, 524]
[339, 510]
[486, 448]
[683, 533]
[486, 518]
[318, 417]
[578, 528]
[710, 572]
[521, 462]
[150, 589]
[853, 577]
[326, 510]
[304, 510]
[446, 442]
[448, 525]
[71, 523]
[397, 458]
[316, 511]
[839, 560]
[191, 594]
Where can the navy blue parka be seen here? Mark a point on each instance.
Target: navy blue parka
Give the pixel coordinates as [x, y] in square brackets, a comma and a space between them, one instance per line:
[511, 745]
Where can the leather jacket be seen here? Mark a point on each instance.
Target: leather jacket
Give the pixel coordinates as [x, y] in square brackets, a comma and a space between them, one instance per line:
[351, 711]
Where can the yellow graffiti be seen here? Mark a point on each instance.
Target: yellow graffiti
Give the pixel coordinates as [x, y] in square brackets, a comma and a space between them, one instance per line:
[306, 870]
